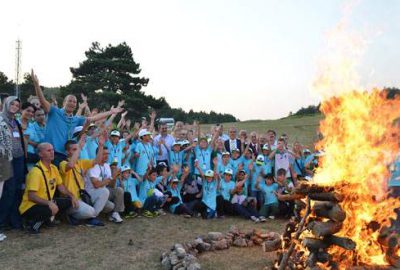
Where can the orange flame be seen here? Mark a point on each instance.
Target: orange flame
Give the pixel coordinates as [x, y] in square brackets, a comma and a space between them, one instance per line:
[360, 141]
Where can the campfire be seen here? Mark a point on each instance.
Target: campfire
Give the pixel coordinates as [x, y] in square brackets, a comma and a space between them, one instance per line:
[346, 217]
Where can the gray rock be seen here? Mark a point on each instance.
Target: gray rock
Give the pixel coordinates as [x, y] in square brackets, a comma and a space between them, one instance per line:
[234, 230]
[202, 246]
[240, 242]
[174, 259]
[194, 266]
[176, 246]
[220, 245]
[166, 264]
[215, 236]
[180, 252]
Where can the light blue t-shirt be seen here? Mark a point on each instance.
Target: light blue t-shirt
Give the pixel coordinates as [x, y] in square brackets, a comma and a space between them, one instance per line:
[115, 152]
[60, 128]
[297, 165]
[176, 192]
[204, 158]
[246, 163]
[91, 147]
[176, 159]
[145, 187]
[235, 164]
[130, 185]
[222, 168]
[225, 189]
[395, 177]
[268, 190]
[210, 194]
[257, 171]
[36, 134]
[146, 155]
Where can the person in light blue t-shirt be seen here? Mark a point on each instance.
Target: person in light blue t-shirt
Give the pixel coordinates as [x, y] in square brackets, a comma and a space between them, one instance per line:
[133, 205]
[269, 188]
[208, 205]
[61, 122]
[115, 147]
[224, 164]
[35, 135]
[175, 204]
[144, 153]
[259, 169]
[226, 188]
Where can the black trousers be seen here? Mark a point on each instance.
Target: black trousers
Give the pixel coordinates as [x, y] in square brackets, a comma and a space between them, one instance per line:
[224, 207]
[42, 212]
[128, 203]
[183, 209]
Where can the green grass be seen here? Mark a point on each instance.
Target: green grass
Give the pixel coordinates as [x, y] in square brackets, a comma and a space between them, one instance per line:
[299, 128]
[68, 247]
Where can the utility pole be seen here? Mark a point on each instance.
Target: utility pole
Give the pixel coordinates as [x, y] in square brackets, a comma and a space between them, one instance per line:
[18, 67]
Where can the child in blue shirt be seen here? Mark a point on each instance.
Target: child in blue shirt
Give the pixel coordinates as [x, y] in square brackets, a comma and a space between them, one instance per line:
[175, 203]
[144, 153]
[225, 190]
[115, 148]
[208, 204]
[259, 169]
[151, 198]
[224, 164]
[269, 188]
[129, 184]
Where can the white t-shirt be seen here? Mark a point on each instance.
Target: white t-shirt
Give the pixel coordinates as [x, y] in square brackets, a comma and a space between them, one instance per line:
[100, 172]
[282, 160]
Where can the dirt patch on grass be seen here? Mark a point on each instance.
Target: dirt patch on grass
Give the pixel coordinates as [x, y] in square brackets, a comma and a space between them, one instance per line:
[68, 247]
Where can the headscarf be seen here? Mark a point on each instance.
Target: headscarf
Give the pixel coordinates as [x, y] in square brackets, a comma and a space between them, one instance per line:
[7, 116]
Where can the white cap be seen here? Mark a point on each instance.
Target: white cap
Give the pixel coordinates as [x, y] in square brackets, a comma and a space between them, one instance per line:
[228, 171]
[306, 151]
[144, 132]
[235, 150]
[115, 133]
[226, 153]
[125, 168]
[209, 173]
[184, 142]
[260, 158]
[77, 129]
[176, 143]
[265, 147]
[175, 180]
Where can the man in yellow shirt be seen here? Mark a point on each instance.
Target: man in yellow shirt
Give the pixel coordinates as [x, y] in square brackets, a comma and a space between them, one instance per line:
[72, 172]
[38, 203]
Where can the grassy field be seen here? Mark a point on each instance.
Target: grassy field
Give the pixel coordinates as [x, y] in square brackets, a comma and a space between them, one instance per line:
[302, 129]
[67, 247]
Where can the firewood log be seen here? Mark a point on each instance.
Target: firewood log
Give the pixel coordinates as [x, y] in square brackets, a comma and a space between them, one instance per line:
[327, 196]
[342, 242]
[319, 228]
[307, 188]
[329, 210]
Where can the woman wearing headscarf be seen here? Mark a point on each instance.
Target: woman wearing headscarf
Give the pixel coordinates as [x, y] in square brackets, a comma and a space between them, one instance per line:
[13, 146]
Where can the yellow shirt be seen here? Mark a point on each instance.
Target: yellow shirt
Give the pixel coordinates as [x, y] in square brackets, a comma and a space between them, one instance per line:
[68, 178]
[35, 182]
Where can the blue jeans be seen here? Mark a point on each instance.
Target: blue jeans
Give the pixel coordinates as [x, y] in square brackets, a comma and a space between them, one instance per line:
[152, 203]
[245, 212]
[12, 196]
[259, 196]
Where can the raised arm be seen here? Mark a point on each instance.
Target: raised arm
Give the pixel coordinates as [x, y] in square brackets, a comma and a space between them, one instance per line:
[72, 161]
[153, 116]
[39, 93]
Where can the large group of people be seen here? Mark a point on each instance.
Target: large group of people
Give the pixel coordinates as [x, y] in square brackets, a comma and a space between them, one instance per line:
[79, 168]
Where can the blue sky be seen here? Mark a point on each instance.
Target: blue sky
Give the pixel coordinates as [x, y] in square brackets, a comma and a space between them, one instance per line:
[254, 59]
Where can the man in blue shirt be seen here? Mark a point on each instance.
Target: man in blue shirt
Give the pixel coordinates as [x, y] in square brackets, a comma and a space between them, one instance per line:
[35, 135]
[61, 122]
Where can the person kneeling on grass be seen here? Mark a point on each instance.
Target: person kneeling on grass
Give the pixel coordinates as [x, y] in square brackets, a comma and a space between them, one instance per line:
[72, 172]
[151, 198]
[242, 205]
[268, 187]
[100, 184]
[226, 188]
[176, 205]
[207, 206]
[38, 203]
[129, 181]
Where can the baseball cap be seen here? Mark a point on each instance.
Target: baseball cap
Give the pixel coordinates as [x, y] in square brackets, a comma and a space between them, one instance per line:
[228, 171]
[175, 180]
[144, 132]
[209, 173]
[115, 133]
[125, 168]
[226, 153]
[260, 160]
[235, 150]
[265, 147]
[77, 130]
[306, 151]
[177, 143]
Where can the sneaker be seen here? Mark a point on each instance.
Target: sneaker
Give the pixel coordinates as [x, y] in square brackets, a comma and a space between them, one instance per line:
[93, 222]
[148, 214]
[115, 217]
[262, 219]
[72, 221]
[255, 219]
[2, 237]
[34, 228]
[156, 213]
[187, 216]
[160, 212]
[131, 215]
[271, 217]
